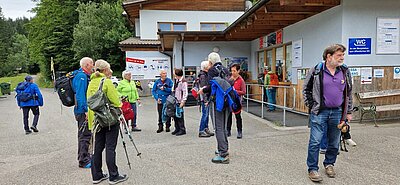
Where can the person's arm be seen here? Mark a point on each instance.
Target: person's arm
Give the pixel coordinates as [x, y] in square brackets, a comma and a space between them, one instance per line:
[135, 91]
[349, 93]
[39, 94]
[80, 87]
[154, 91]
[308, 88]
[242, 90]
[111, 93]
[169, 88]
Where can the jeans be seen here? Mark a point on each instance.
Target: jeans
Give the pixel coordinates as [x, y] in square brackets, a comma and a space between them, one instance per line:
[271, 98]
[35, 111]
[204, 117]
[327, 118]
[324, 142]
[133, 123]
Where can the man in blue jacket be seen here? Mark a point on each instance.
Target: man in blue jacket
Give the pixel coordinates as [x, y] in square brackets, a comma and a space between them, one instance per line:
[32, 103]
[80, 84]
[162, 88]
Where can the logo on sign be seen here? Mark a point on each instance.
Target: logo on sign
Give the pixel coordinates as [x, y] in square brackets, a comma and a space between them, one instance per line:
[397, 70]
[135, 60]
[360, 42]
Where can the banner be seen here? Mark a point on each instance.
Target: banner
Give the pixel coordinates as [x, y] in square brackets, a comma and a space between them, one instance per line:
[147, 68]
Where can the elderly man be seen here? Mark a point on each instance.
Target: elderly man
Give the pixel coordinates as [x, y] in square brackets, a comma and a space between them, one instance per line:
[80, 84]
[327, 92]
[162, 88]
[127, 88]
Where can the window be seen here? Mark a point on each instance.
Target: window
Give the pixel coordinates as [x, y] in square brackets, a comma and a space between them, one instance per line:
[213, 26]
[169, 26]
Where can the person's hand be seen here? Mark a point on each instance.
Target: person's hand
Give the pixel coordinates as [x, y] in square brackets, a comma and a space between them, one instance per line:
[206, 104]
[162, 88]
[139, 102]
[349, 117]
[182, 104]
[159, 101]
[86, 116]
[200, 91]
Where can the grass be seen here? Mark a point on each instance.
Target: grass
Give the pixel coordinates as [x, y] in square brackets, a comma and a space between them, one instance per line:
[13, 80]
[43, 82]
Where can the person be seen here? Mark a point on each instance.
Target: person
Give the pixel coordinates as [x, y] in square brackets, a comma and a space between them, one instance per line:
[127, 87]
[162, 88]
[271, 80]
[31, 104]
[204, 131]
[181, 93]
[219, 118]
[328, 95]
[80, 83]
[240, 86]
[105, 137]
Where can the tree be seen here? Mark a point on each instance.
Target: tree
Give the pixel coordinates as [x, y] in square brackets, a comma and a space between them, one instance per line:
[19, 54]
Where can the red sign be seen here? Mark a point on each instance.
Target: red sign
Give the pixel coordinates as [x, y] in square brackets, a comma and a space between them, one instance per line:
[261, 42]
[135, 60]
[279, 37]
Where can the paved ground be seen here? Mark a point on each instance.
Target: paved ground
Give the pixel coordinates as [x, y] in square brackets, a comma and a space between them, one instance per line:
[264, 156]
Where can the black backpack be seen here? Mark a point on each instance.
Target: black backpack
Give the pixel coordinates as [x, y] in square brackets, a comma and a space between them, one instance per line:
[65, 90]
[170, 106]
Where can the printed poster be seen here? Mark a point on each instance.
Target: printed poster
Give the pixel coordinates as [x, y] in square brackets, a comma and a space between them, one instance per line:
[379, 73]
[147, 68]
[366, 75]
[297, 53]
[387, 38]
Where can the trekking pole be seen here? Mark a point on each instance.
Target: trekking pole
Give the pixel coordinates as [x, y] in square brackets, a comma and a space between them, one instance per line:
[123, 143]
[122, 119]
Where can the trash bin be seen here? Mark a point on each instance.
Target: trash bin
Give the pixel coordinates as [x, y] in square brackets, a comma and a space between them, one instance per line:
[5, 88]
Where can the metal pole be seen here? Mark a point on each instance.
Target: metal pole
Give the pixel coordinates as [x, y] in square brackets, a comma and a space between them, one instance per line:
[262, 104]
[247, 95]
[284, 107]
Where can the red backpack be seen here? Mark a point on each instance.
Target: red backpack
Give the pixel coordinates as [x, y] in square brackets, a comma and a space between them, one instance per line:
[127, 111]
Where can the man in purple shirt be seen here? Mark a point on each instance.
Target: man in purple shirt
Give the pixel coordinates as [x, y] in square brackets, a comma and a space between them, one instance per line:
[327, 92]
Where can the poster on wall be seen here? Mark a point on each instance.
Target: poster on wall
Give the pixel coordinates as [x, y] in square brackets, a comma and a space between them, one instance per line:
[396, 72]
[387, 38]
[297, 53]
[355, 71]
[379, 73]
[147, 68]
[366, 75]
[243, 61]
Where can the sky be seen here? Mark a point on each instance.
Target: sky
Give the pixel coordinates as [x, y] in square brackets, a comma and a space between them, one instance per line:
[16, 8]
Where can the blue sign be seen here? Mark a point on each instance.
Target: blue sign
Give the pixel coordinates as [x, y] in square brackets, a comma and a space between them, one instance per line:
[359, 46]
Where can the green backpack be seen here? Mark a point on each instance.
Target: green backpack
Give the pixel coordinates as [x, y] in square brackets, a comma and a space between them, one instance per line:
[105, 114]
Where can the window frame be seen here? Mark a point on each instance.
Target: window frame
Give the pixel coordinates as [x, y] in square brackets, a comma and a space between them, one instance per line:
[171, 24]
[214, 25]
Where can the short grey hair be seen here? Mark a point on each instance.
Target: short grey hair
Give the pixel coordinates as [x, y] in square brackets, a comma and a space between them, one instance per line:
[214, 57]
[85, 60]
[162, 71]
[204, 64]
[125, 72]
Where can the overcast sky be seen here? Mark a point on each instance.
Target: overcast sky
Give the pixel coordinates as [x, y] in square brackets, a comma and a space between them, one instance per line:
[16, 8]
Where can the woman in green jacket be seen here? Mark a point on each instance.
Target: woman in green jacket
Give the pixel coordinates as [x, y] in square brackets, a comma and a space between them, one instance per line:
[105, 137]
[127, 88]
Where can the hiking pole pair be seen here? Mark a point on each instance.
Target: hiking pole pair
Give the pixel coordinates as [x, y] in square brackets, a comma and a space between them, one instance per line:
[123, 121]
[124, 145]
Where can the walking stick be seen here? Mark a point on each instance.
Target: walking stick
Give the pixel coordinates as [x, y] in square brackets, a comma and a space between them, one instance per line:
[123, 121]
[123, 143]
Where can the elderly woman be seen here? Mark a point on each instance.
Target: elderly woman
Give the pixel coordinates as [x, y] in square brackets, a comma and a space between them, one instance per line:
[105, 137]
[204, 131]
[127, 88]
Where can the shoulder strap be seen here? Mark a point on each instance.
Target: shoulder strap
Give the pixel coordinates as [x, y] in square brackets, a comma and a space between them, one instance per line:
[318, 68]
[101, 84]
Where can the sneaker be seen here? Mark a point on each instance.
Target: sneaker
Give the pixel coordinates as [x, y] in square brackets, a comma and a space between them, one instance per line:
[160, 129]
[28, 132]
[135, 129]
[329, 171]
[204, 134]
[88, 165]
[180, 133]
[220, 160]
[322, 151]
[216, 152]
[314, 176]
[175, 131]
[239, 135]
[209, 132]
[105, 177]
[120, 178]
[229, 133]
[350, 142]
[34, 129]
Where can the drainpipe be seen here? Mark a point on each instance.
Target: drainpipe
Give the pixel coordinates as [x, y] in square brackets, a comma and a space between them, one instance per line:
[183, 52]
[170, 57]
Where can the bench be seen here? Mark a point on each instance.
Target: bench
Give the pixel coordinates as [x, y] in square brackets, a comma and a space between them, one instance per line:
[368, 106]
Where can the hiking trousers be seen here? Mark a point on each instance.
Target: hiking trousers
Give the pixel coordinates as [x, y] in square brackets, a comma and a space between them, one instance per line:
[35, 111]
[239, 121]
[84, 136]
[159, 110]
[220, 121]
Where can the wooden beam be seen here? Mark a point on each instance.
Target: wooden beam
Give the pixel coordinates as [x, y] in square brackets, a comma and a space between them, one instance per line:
[309, 2]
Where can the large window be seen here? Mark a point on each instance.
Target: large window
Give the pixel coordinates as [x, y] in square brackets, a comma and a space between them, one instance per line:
[170, 26]
[213, 26]
[279, 60]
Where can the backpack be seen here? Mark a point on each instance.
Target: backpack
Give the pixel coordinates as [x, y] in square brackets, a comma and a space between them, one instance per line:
[170, 106]
[127, 111]
[105, 114]
[24, 93]
[65, 91]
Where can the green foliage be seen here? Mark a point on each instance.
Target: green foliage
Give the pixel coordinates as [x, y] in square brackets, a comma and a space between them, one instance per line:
[18, 55]
[14, 80]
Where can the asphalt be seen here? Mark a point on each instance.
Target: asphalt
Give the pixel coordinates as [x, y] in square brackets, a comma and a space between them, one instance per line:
[266, 154]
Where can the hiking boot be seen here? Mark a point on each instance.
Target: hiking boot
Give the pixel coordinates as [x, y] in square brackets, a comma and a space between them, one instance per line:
[209, 132]
[204, 134]
[175, 131]
[239, 135]
[28, 132]
[105, 177]
[135, 129]
[160, 129]
[314, 176]
[120, 178]
[220, 160]
[229, 133]
[350, 142]
[36, 130]
[329, 171]
[181, 132]
[167, 129]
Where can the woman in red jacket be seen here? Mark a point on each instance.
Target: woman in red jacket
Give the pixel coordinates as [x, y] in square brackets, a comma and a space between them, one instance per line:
[240, 88]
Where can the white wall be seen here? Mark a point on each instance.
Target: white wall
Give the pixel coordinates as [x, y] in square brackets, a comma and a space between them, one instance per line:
[359, 20]
[137, 27]
[150, 18]
[196, 52]
[254, 58]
